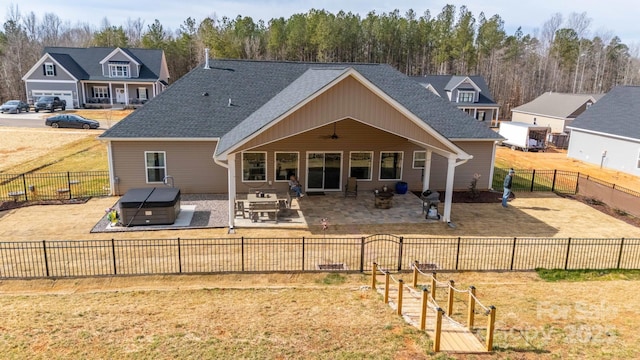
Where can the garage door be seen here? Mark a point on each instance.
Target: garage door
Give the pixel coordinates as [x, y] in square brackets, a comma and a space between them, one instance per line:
[64, 95]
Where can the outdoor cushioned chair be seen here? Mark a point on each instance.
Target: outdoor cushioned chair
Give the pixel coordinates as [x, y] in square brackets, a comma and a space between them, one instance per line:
[351, 188]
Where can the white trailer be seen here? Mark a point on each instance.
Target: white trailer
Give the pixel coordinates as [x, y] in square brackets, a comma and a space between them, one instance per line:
[527, 137]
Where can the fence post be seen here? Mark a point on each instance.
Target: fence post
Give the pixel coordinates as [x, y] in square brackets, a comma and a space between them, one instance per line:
[179, 258]
[46, 261]
[242, 253]
[566, 260]
[490, 327]
[458, 253]
[433, 285]
[450, 298]
[513, 253]
[472, 307]
[400, 291]
[387, 284]
[24, 188]
[423, 312]
[553, 183]
[533, 176]
[620, 252]
[69, 185]
[362, 254]
[303, 243]
[415, 274]
[113, 256]
[400, 254]
[438, 330]
[374, 272]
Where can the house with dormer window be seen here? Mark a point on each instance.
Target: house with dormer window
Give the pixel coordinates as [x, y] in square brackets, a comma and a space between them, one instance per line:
[468, 93]
[98, 77]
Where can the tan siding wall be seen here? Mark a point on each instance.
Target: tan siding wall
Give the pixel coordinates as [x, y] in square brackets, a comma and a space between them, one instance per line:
[480, 164]
[557, 125]
[182, 158]
[347, 99]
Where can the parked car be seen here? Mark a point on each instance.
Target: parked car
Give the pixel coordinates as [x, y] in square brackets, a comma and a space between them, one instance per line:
[71, 121]
[14, 107]
[50, 103]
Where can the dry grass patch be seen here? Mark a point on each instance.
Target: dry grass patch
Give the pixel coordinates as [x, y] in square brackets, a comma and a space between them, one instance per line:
[302, 316]
[275, 322]
[24, 150]
[557, 159]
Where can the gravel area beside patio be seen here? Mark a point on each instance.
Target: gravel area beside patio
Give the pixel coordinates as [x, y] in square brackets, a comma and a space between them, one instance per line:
[210, 212]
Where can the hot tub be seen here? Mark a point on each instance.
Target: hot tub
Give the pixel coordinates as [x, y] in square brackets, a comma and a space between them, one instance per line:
[150, 206]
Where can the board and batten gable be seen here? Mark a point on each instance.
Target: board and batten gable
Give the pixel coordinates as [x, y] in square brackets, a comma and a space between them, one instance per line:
[190, 163]
[621, 154]
[348, 99]
[120, 56]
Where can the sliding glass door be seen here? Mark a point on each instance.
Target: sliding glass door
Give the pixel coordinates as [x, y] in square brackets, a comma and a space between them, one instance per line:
[324, 171]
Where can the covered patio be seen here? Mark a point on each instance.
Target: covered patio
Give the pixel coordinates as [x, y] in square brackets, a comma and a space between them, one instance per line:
[337, 209]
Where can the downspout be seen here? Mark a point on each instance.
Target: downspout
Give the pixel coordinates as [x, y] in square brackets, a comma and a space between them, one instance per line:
[112, 177]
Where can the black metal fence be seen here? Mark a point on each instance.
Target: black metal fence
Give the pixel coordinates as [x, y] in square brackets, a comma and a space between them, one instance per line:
[559, 181]
[189, 256]
[53, 186]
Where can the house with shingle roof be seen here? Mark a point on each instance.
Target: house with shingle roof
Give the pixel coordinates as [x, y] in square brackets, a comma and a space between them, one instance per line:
[608, 134]
[98, 77]
[556, 110]
[233, 126]
[468, 93]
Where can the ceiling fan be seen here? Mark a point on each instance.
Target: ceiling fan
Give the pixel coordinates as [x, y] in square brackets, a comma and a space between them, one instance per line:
[333, 136]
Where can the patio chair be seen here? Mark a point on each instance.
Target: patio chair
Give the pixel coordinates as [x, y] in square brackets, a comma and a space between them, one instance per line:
[351, 188]
[240, 209]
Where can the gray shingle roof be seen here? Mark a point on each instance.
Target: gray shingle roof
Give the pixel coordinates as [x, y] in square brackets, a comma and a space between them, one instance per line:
[84, 63]
[444, 83]
[617, 113]
[260, 91]
[558, 105]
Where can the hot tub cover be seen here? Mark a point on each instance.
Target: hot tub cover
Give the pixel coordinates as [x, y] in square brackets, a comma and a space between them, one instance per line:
[155, 197]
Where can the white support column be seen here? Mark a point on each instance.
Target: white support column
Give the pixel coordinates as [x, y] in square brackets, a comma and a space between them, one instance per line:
[126, 94]
[231, 172]
[448, 196]
[111, 94]
[426, 172]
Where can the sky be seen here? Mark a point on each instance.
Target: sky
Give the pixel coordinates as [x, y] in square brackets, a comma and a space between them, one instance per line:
[618, 17]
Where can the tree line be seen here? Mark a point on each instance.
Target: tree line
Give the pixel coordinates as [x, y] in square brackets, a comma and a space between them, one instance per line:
[562, 56]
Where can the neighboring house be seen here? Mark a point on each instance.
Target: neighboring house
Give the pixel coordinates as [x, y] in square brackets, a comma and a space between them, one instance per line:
[98, 76]
[608, 134]
[233, 126]
[556, 110]
[468, 93]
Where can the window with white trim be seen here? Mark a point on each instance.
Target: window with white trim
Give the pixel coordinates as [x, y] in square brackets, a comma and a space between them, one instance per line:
[419, 158]
[361, 164]
[286, 165]
[101, 92]
[49, 69]
[391, 165]
[118, 70]
[254, 166]
[155, 166]
[142, 93]
[466, 96]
